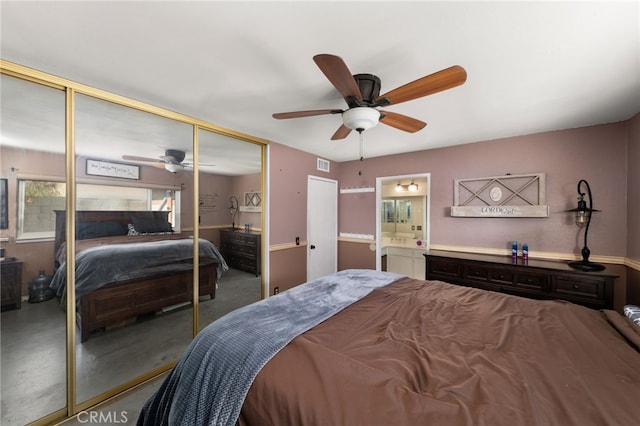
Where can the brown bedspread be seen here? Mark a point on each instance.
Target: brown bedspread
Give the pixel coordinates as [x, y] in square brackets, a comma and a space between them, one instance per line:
[431, 353]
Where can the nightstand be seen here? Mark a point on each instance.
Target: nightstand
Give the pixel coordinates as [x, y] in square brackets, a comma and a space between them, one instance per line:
[10, 283]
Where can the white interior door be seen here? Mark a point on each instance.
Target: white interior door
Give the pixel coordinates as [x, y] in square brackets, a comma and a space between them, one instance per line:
[322, 227]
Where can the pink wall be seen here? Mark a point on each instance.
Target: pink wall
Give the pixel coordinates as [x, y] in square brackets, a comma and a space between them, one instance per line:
[633, 193]
[289, 169]
[597, 154]
[240, 185]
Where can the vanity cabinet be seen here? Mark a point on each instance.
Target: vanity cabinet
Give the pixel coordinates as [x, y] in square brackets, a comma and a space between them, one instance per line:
[241, 250]
[535, 279]
[405, 261]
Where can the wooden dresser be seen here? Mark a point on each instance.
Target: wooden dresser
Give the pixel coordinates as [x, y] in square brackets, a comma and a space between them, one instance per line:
[241, 250]
[535, 279]
[11, 283]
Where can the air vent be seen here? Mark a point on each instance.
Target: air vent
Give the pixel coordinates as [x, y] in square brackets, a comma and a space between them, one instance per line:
[323, 165]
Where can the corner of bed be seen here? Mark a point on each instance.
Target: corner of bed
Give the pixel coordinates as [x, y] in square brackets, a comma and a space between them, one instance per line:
[121, 276]
[375, 348]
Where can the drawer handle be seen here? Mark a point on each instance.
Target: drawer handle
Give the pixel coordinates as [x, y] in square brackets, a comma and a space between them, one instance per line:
[576, 286]
[501, 276]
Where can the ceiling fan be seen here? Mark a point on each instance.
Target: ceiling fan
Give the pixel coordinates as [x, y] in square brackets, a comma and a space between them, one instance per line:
[362, 94]
[172, 160]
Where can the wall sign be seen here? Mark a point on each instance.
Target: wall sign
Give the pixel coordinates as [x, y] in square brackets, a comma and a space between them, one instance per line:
[501, 196]
[109, 169]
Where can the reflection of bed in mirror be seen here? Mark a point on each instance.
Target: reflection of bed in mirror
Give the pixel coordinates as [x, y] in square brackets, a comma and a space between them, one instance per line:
[123, 273]
[376, 348]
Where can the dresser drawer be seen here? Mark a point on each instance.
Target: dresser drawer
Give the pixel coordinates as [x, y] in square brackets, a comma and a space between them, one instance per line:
[532, 280]
[438, 269]
[579, 286]
[475, 273]
[243, 240]
[501, 276]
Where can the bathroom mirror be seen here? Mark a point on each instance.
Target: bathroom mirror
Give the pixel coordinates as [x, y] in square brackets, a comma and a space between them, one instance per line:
[399, 219]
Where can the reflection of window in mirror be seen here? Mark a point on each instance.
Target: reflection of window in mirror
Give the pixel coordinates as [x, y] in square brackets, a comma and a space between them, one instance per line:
[37, 196]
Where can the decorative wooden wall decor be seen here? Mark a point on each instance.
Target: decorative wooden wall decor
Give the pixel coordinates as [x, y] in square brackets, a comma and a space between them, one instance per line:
[501, 196]
[252, 202]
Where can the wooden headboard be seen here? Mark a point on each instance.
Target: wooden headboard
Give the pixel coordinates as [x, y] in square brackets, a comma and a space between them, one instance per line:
[91, 216]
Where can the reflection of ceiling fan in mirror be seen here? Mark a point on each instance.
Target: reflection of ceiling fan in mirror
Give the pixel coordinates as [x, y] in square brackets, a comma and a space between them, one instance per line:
[362, 94]
[172, 160]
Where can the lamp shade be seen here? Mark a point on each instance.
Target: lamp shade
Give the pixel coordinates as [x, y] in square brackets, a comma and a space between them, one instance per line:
[360, 118]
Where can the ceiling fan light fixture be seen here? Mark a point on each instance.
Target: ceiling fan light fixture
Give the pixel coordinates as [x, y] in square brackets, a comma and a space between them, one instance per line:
[173, 168]
[360, 118]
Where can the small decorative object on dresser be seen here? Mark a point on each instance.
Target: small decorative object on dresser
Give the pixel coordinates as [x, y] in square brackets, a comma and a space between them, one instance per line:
[534, 279]
[11, 283]
[241, 249]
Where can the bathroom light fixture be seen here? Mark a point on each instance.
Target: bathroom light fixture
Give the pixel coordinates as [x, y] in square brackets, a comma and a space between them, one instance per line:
[173, 168]
[583, 220]
[360, 118]
[412, 187]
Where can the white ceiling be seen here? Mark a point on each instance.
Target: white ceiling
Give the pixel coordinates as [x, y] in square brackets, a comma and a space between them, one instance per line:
[532, 66]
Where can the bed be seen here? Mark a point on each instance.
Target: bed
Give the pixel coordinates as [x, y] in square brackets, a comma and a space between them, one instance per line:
[373, 348]
[130, 264]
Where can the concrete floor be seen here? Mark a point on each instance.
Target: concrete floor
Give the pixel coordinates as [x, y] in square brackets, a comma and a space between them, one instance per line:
[33, 358]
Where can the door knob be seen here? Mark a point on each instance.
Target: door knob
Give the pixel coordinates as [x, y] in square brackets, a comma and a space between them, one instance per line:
[312, 247]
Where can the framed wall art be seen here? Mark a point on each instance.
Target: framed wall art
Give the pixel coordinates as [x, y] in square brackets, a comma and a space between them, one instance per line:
[110, 169]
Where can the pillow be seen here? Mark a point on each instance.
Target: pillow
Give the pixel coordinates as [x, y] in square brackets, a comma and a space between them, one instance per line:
[88, 230]
[132, 230]
[151, 226]
[633, 313]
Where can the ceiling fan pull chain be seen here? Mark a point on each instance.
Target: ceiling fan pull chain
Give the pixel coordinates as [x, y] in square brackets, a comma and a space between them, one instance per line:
[361, 146]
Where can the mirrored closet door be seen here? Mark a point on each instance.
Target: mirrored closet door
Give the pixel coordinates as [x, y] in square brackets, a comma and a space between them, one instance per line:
[124, 169]
[230, 170]
[123, 176]
[34, 369]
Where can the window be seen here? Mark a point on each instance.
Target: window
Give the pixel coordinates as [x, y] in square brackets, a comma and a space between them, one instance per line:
[38, 200]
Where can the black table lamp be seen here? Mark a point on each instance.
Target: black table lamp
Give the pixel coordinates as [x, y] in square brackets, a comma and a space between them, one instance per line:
[583, 220]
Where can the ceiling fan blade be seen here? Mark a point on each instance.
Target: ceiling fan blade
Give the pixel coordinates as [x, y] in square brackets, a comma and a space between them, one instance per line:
[342, 132]
[136, 158]
[169, 159]
[401, 122]
[338, 74]
[428, 85]
[297, 114]
[190, 164]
